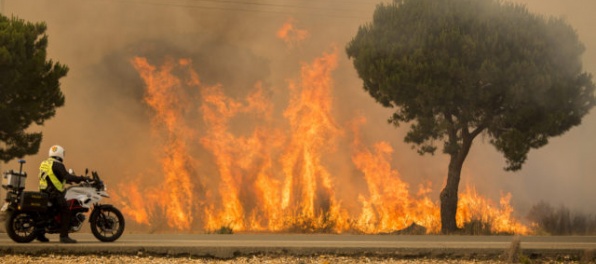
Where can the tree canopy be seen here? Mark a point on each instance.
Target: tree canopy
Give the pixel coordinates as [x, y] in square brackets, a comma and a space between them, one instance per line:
[29, 86]
[454, 69]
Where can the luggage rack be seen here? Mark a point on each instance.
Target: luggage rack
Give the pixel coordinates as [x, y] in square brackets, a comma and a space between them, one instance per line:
[14, 183]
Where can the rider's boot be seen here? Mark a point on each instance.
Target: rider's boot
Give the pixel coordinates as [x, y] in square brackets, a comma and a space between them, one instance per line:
[42, 238]
[41, 234]
[64, 217]
[67, 240]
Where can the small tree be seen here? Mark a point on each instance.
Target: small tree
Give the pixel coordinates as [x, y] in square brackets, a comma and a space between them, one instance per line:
[454, 69]
[29, 86]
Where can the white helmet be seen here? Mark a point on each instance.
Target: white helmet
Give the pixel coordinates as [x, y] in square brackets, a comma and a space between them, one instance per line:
[57, 151]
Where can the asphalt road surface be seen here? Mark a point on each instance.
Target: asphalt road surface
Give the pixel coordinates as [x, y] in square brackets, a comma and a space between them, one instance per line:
[230, 246]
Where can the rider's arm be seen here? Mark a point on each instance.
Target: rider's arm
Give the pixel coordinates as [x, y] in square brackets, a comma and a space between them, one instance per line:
[62, 174]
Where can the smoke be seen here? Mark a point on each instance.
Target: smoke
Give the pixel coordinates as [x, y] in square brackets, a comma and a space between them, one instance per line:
[106, 126]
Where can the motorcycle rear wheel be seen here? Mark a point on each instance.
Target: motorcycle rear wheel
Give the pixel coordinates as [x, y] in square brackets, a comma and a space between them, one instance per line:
[107, 225]
[20, 226]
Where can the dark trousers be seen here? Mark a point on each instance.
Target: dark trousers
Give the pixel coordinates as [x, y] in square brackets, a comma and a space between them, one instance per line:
[58, 201]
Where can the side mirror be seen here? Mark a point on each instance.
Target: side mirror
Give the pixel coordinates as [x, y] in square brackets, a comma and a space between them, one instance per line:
[86, 171]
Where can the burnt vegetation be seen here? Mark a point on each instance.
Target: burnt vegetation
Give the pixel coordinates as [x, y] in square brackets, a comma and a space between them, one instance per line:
[548, 220]
[545, 220]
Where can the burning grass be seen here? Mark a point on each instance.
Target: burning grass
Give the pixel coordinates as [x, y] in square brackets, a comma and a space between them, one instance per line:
[274, 173]
[223, 230]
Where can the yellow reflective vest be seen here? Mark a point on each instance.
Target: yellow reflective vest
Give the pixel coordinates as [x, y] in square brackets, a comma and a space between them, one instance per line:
[45, 172]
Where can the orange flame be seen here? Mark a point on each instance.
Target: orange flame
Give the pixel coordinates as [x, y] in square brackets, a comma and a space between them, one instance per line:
[165, 98]
[138, 209]
[291, 35]
[472, 206]
[274, 175]
[388, 206]
[313, 130]
[236, 157]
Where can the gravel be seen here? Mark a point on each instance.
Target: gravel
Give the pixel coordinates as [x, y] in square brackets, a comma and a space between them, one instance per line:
[324, 259]
[21, 259]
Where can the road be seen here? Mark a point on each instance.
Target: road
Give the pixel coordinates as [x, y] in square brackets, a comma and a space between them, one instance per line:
[229, 246]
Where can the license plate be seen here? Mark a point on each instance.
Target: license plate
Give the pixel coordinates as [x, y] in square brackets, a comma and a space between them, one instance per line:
[4, 207]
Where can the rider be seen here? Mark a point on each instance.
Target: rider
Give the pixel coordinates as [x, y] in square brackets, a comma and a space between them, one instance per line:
[52, 178]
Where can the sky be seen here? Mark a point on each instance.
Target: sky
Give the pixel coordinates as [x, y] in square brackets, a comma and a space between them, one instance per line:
[105, 125]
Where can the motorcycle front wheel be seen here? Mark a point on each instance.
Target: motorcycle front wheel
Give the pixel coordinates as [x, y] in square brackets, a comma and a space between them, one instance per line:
[107, 224]
[20, 226]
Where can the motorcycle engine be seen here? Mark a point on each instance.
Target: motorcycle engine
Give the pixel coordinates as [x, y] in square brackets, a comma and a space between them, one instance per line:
[77, 222]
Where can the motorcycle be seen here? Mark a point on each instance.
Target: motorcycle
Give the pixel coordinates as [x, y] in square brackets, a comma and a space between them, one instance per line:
[27, 211]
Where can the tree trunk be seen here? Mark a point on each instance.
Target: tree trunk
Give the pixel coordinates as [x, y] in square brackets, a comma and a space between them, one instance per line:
[449, 198]
[449, 195]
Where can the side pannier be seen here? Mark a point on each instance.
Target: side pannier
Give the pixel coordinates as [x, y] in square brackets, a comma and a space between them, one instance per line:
[34, 201]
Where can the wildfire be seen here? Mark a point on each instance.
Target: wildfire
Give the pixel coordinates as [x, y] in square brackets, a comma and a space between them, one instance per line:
[472, 207]
[170, 104]
[389, 205]
[290, 34]
[243, 166]
[273, 173]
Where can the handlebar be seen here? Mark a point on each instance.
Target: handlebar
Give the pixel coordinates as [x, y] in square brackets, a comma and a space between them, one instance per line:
[93, 181]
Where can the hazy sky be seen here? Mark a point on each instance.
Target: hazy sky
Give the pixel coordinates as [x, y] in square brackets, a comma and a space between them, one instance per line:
[104, 124]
